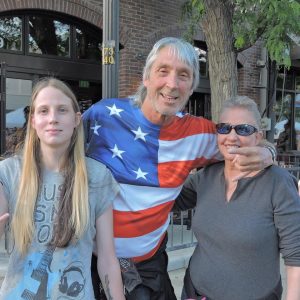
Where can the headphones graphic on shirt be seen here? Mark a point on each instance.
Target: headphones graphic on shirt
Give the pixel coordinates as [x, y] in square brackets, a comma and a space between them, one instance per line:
[74, 288]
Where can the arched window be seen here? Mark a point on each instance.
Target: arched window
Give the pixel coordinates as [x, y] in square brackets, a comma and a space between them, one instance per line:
[35, 44]
[42, 34]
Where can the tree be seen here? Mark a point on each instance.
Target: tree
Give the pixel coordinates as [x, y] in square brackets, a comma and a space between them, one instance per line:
[231, 26]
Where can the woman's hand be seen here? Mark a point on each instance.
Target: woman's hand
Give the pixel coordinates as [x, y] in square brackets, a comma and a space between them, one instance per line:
[3, 210]
[4, 218]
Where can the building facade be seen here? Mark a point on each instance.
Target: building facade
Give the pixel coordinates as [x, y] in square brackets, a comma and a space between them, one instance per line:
[62, 38]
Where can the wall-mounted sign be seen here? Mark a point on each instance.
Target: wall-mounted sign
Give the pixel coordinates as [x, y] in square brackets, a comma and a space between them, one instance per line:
[84, 84]
[108, 53]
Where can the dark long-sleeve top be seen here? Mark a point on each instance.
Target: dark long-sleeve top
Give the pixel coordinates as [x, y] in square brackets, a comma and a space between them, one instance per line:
[239, 242]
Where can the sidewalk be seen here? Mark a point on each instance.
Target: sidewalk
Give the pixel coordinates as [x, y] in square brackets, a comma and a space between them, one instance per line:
[178, 262]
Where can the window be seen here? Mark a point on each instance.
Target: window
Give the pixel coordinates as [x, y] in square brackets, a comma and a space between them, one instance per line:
[44, 34]
[88, 46]
[48, 36]
[287, 110]
[201, 50]
[297, 82]
[285, 80]
[11, 33]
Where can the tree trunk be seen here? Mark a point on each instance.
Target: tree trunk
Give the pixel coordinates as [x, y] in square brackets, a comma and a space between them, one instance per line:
[217, 27]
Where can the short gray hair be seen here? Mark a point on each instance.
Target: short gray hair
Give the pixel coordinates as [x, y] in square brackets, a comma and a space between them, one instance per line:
[245, 103]
[182, 49]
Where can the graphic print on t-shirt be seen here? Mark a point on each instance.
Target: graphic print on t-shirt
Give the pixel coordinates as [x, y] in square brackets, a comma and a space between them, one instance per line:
[43, 276]
[39, 278]
[40, 283]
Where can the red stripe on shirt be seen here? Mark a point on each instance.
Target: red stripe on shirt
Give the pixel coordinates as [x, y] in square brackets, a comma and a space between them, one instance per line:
[149, 254]
[129, 224]
[173, 174]
[186, 126]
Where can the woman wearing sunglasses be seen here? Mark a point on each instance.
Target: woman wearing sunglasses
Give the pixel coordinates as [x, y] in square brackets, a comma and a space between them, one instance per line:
[242, 226]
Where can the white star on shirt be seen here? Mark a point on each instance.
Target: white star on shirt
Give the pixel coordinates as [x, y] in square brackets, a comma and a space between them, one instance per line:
[117, 152]
[114, 110]
[140, 174]
[139, 134]
[95, 128]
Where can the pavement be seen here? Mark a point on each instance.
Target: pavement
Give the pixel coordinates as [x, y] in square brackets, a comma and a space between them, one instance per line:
[178, 261]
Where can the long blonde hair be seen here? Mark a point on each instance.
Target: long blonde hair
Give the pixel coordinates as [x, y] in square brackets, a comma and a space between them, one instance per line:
[73, 212]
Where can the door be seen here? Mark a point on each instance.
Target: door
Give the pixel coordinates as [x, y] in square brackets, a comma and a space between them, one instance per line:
[16, 89]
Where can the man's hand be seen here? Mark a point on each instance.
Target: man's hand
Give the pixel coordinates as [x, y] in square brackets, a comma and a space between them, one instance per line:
[249, 159]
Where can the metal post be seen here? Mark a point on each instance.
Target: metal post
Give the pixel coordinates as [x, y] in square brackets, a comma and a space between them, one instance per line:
[110, 49]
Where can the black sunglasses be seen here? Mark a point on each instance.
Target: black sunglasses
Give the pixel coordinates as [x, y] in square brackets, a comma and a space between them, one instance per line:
[240, 129]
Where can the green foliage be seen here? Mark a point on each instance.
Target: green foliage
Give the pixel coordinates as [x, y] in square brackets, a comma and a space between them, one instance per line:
[192, 11]
[272, 21]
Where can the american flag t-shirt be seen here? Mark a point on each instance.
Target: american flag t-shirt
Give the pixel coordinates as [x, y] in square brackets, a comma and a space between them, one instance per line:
[150, 163]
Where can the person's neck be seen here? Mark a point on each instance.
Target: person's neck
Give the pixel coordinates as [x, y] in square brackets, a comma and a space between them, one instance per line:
[154, 116]
[52, 159]
[230, 171]
[230, 174]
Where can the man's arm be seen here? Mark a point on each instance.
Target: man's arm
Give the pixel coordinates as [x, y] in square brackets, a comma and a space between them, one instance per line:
[188, 196]
[257, 158]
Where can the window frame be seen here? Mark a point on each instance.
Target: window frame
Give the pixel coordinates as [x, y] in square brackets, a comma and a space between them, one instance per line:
[72, 22]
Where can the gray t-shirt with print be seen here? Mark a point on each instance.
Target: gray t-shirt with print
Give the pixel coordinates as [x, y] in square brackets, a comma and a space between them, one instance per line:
[60, 273]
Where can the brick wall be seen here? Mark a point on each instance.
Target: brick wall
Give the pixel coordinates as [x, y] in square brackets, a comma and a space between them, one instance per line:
[142, 22]
[146, 22]
[249, 74]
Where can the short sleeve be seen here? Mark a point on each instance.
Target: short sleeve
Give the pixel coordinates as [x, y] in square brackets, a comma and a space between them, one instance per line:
[188, 196]
[9, 176]
[103, 188]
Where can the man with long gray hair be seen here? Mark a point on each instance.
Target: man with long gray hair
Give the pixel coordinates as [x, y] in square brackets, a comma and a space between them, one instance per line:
[151, 147]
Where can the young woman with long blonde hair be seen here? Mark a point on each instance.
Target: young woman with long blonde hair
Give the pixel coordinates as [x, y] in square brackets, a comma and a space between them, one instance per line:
[58, 202]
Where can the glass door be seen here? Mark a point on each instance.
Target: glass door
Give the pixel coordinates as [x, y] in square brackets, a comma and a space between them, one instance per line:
[18, 92]
[14, 111]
